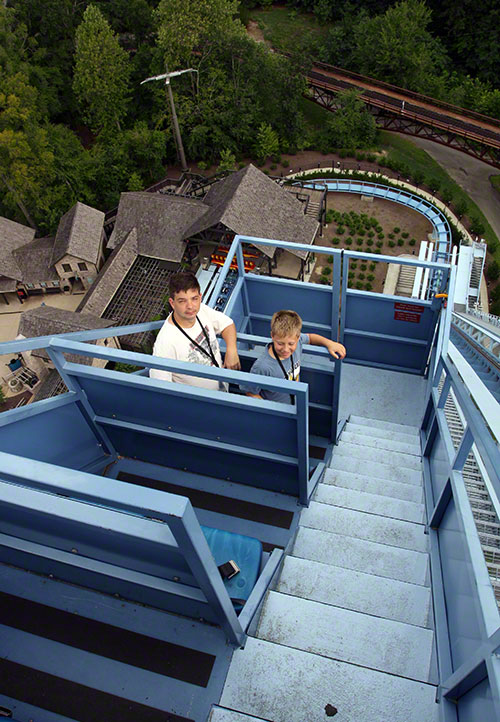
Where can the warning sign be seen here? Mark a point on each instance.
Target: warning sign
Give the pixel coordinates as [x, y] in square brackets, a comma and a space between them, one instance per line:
[412, 307]
[407, 316]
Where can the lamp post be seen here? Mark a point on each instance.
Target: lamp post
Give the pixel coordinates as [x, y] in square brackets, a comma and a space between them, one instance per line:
[166, 77]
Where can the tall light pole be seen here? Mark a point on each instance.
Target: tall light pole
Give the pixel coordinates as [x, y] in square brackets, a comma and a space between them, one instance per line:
[166, 77]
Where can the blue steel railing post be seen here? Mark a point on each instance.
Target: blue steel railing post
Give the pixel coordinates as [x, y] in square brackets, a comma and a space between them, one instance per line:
[226, 267]
[192, 542]
[241, 273]
[301, 403]
[336, 305]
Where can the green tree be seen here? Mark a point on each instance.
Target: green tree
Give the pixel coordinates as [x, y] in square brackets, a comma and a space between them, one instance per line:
[227, 161]
[101, 74]
[188, 25]
[397, 46]
[267, 142]
[351, 126]
[493, 270]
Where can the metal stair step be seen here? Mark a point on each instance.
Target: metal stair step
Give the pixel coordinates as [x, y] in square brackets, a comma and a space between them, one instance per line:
[360, 639]
[400, 534]
[357, 591]
[370, 503]
[341, 462]
[361, 555]
[389, 425]
[288, 685]
[372, 485]
[380, 443]
[220, 714]
[381, 433]
[391, 458]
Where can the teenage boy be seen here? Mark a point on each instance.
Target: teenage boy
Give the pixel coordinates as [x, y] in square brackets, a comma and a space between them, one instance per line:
[281, 358]
[190, 334]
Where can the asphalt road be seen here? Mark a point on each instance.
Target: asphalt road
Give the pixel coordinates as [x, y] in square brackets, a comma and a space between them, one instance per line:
[470, 173]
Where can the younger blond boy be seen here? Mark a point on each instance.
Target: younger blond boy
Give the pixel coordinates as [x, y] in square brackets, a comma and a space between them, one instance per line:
[281, 358]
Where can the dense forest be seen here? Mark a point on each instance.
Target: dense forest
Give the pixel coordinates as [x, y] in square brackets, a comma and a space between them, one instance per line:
[75, 123]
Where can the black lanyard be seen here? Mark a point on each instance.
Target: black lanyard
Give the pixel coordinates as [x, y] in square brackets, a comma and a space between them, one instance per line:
[292, 397]
[208, 353]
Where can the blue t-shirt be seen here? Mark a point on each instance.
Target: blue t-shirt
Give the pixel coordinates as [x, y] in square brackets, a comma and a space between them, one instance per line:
[266, 365]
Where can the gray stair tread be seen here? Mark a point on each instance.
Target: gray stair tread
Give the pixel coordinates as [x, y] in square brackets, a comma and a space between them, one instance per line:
[287, 685]
[359, 524]
[348, 636]
[373, 485]
[389, 425]
[390, 458]
[342, 462]
[361, 555]
[357, 591]
[381, 433]
[378, 442]
[370, 503]
[219, 714]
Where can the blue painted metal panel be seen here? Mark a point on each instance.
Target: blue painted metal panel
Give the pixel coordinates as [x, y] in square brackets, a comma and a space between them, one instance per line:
[267, 295]
[477, 704]
[375, 312]
[439, 465]
[59, 435]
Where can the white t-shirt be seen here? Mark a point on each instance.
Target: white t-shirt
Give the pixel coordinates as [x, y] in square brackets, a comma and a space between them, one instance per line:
[172, 343]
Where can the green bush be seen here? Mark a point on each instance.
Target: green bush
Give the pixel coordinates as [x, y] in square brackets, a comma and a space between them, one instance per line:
[326, 271]
[396, 229]
[369, 242]
[370, 234]
[368, 287]
[340, 230]
[379, 229]
[273, 166]
[447, 195]
[359, 241]
[495, 308]
[412, 241]
[335, 240]
[461, 208]
[348, 241]
[495, 294]
[372, 266]
[362, 267]
[381, 236]
[359, 285]
[285, 163]
[330, 259]
[329, 216]
[405, 235]
[400, 242]
[378, 250]
[354, 265]
[361, 276]
[324, 280]
[351, 274]
[371, 158]
[379, 244]
[493, 271]
[373, 222]
[391, 244]
[361, 232]
[390, 235]
[370, 277]
[476, 226]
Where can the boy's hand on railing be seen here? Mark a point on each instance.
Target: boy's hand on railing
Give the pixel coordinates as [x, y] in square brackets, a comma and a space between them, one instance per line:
[336, 349]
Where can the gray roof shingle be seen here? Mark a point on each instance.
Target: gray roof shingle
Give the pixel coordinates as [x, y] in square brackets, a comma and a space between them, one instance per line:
[79, 234]
[161, 221]
[34, 261]
[249, 203]
[12, 236]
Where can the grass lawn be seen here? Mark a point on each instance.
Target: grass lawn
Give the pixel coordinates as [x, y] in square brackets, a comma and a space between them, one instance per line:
[495, 182]
[284, 27]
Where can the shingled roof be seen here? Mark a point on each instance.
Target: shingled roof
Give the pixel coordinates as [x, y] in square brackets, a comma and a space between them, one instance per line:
[79, 234]
[249, 203]
[47, 321]
[111, 275]
[34, 261]
[12, 236]
[162, 223]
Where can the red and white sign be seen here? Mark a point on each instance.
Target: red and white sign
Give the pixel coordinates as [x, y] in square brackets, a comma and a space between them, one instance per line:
[412, 307]
[407, 316]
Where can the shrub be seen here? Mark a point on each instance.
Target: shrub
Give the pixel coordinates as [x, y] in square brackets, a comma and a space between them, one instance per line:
[350, 274]
[202, 165]
[368, 286]
[379, 229]
[348, 241]
[326, 271]
[476, 226]
[373, 222]
[379, 244]
[359, 241]
[285, 163]
[396, 229]
[329, 216]
[390, 235]
[362, 232]
[391, 244]
[273, 166]
[354, 264]
[381, 236]
[340, 230]
[370, 277]
[361, 276]
[362, 267]
[330, 259]
[378, 250]
[495, 294]
[370, 234]
[359, 285]
[371, 158]
[335, 240]
[369, 242]
[400, 242]
[405, 235]
[324, 280]
[412, 241]
[434, 184]
[461, 208]
[493, 271]
[495, 308]
[372, 266]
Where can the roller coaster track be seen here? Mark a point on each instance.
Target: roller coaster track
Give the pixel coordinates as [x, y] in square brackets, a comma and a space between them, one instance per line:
[407, 112]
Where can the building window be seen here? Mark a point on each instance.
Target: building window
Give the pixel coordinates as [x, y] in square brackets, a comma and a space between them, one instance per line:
[43, 284]
[67, 267]
[90, 279]
[82, 266]
[30, 285]
[55, 283]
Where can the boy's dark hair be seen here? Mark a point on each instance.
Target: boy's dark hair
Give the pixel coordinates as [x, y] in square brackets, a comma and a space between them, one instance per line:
[183, 281]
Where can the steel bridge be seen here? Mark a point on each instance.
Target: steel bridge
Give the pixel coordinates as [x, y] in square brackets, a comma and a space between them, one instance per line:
[404, 111]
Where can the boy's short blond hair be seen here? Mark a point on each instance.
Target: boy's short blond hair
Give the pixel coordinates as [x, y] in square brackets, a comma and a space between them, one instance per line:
[286, 323]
